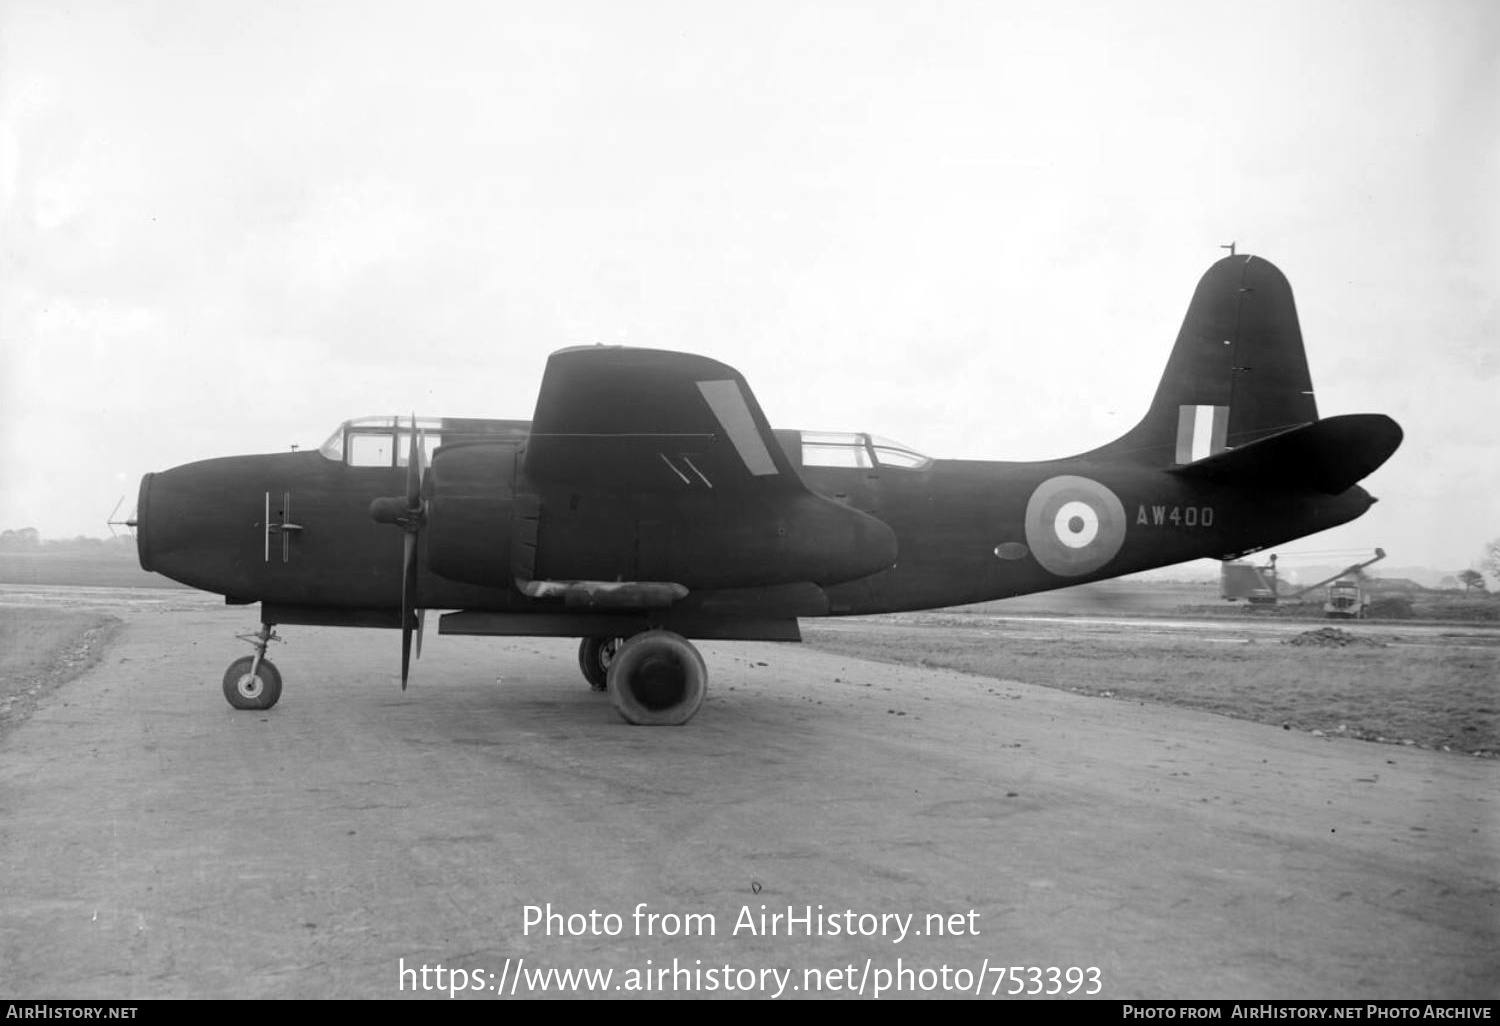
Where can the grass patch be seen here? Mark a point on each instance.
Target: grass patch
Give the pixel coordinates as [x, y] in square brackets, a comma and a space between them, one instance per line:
[41, 649]
[1426, 695]
[92, 570]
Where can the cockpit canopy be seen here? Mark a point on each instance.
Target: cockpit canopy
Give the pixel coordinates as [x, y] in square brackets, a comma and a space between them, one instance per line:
[386, 442]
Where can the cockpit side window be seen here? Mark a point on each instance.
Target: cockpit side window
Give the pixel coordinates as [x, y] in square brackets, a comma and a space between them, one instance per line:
[430, 442]
[381, 441]
[370, 450]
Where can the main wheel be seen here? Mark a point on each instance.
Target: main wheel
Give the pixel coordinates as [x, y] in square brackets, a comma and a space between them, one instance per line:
[594, 657]
[657, 679]
[245, 690]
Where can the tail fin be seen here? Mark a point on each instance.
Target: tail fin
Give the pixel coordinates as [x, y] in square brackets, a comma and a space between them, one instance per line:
[1237, 374]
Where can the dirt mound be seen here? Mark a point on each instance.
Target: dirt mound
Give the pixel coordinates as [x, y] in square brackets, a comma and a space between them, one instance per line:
[1333, 637]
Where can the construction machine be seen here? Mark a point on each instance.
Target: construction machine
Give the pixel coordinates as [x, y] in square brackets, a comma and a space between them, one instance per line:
[1346, 598]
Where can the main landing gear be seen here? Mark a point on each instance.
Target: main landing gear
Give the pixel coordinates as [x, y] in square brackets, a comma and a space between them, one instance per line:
[594, 657]
[253, 682]
[655, 678]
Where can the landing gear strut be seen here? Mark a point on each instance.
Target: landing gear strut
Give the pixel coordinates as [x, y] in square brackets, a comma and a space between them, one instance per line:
[253, 682]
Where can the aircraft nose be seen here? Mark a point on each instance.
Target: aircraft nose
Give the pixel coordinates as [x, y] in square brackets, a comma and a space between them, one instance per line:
[199, 524]
[168, 501]
[143, 521]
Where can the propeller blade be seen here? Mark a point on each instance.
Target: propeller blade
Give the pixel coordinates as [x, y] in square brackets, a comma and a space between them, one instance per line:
[412, 618]
[405, 655]
[414, 468]
[421, 626]
[410, 519]
[408, 602]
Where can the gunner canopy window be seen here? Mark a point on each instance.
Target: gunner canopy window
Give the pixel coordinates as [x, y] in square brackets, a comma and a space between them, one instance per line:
[894, 454]
[828, 449]
[857, 450]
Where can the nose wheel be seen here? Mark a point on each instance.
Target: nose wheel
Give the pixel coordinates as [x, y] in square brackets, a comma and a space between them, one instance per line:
[253, 682]
[252, 687]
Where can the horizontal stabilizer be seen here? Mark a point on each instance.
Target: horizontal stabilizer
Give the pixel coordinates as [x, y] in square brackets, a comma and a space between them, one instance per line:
[1328, 455]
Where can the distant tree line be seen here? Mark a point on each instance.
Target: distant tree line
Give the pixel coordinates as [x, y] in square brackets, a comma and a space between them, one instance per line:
[29, 539]
[20, 541]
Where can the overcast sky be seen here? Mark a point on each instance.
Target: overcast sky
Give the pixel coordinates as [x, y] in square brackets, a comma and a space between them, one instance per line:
[973, 227]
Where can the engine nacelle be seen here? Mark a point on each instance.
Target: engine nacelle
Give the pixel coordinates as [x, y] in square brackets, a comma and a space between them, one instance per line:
[470, 513]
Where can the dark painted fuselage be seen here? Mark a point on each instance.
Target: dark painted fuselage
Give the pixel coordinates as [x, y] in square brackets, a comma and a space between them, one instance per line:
[960, 527]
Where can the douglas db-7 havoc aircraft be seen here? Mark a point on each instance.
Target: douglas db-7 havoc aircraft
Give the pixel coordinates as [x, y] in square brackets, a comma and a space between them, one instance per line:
[648, 501]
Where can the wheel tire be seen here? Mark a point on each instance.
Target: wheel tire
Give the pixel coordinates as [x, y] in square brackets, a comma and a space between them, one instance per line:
[657, 679]
[594, 657]
[246, 692]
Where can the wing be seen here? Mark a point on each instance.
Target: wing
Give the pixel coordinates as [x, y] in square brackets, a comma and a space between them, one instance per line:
[645, 420]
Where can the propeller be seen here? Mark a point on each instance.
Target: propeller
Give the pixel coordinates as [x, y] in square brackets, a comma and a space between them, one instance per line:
[412, 619]
[408, 513]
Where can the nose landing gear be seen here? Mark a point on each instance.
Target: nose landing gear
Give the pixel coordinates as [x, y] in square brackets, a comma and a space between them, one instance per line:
[253, 682]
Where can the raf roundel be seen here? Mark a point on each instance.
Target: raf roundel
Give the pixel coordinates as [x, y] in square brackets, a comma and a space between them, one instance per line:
[1073, 525]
